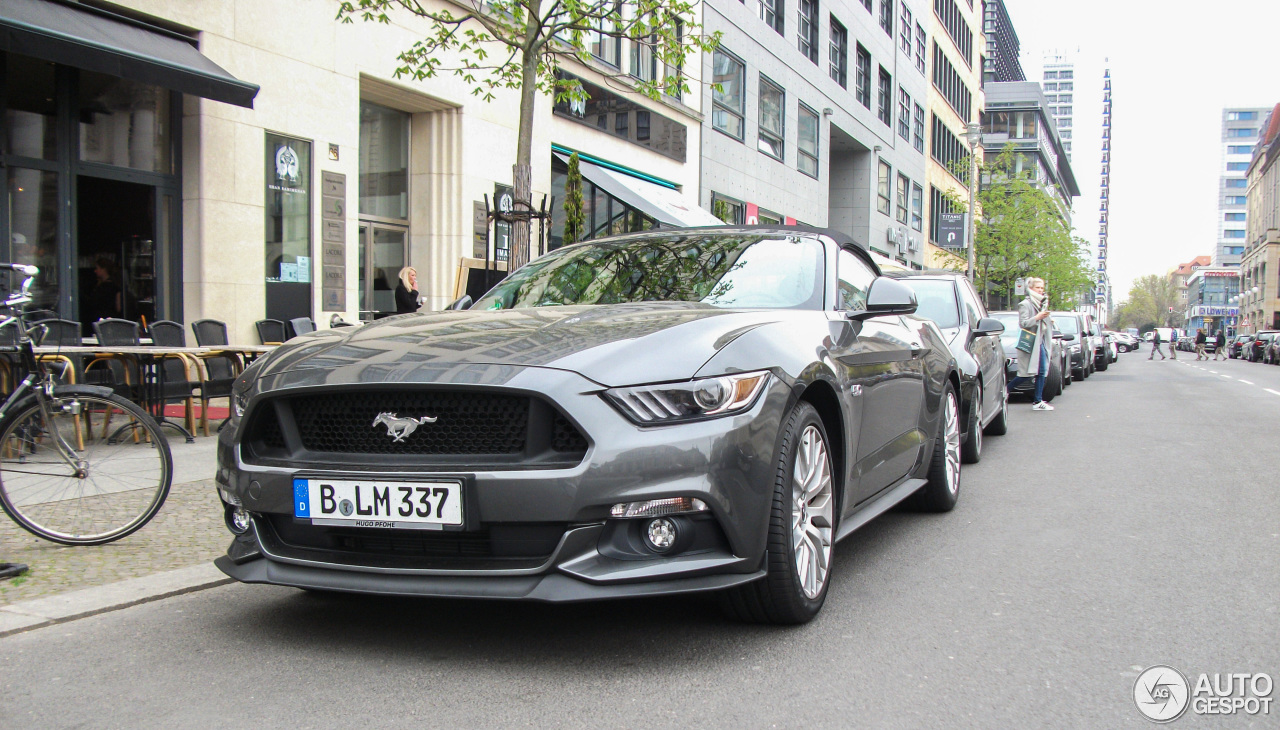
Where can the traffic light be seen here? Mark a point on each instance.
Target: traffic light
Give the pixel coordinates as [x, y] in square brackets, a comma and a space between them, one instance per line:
[1170, 310]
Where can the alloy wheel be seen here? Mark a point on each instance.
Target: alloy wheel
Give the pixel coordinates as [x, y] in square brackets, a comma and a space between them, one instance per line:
[812, 512]
[951, 439]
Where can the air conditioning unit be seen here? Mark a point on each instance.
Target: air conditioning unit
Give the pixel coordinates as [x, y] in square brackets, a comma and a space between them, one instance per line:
[892, 235]
[913, 244]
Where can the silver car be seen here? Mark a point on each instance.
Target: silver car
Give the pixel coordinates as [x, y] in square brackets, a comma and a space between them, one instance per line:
[666, 412]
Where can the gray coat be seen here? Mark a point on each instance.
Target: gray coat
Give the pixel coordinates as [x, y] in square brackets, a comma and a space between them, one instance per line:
[1029, 362]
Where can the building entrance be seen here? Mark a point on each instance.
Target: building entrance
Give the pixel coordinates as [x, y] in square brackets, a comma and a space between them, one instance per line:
[116, 253]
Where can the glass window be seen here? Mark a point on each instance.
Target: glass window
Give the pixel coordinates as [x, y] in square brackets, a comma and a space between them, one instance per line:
[384, 162]
[1237, 200]
[33, 230]
[644, 63]
[726, 112]
[920, 47]
[882, 188]
[904, 28]
[862, 89]
[995, 122]
[772, 103]
[1235, 216]
[1237, 166]
[973, 308]
[1064, 123]
[31, 114]
[839, 53]
[1068, 86]
[808, 142]
[288, 208]
[750, 271]
[917, 207]
[771, 14]
[1237, 182]
[903, 185]
[1066, 74]
[728, 210]
[917, 128]
[1241, 132]
[124, 123]
[1064, 98]
[1242, 149]
[1241, 116]
[1050, 87]
[886, 16]
[807, 28]
[604, 47]
[1023, 125]
[937, 300]
[855, 279]
[886, 97]
[904, 114]
[1051, 74]
[1233, 233]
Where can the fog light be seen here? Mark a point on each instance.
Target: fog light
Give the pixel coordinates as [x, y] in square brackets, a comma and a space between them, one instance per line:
[237, 519]
[658, 507]
[661, 534]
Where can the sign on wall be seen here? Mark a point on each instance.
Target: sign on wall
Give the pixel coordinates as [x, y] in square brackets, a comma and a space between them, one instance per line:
[951, 231]
[333, 224]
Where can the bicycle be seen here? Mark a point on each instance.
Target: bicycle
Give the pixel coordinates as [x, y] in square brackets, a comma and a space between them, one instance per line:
[65, 475]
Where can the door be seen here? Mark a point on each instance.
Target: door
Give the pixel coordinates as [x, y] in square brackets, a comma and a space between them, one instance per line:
[384, 251]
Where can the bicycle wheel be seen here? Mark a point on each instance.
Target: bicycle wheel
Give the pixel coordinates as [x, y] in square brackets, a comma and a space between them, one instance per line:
[115, 478]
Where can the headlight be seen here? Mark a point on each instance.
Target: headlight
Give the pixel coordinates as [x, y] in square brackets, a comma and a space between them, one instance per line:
[239, 399]
[1075, 349]
[651, 405]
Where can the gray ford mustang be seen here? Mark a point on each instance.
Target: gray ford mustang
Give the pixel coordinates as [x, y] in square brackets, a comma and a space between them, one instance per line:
[657, 413]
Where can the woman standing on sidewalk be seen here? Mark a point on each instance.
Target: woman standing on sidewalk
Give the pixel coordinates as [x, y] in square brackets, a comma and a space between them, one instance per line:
[1033, 316]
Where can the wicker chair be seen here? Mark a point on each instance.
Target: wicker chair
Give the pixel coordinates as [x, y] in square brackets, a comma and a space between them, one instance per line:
[302, 325]
[220, 371]
[118, 373]
[271, 331]
[63, 333]
[177, 384]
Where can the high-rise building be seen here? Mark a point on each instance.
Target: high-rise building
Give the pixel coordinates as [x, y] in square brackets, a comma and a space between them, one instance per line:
[1239, 136]
[1059, 91]
[1001, 62]
[1102, 291]
[1016, 115]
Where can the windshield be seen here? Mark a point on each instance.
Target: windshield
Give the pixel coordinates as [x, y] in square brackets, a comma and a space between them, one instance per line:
[937, 301]
[1011, 330]
[1065, 323]
[739, 271]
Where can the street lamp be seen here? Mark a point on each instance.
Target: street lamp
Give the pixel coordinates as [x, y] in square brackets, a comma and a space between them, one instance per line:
[973, 133]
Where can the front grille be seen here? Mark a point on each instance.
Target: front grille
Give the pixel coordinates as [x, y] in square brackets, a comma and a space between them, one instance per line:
[495, 545]
[466, 422]
[372, 428]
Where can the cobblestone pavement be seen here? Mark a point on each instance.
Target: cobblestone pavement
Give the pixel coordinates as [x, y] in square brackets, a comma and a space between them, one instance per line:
[188, 530]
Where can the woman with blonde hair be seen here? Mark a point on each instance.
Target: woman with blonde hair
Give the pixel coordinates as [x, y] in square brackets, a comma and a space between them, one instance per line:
[1033, 362]
[407, 298]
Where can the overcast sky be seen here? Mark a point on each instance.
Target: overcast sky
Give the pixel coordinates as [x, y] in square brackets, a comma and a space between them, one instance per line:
[1174, 66]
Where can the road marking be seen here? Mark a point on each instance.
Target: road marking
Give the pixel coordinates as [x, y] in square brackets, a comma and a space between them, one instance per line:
[1272, 392]
[1246, 382]
[1215, 372]
[1224, 375]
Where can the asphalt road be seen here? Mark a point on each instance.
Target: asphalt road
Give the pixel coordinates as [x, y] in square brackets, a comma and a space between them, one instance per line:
[1137, 524]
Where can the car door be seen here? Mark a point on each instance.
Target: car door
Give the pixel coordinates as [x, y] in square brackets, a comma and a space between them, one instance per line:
[986, 350]
[881, 361]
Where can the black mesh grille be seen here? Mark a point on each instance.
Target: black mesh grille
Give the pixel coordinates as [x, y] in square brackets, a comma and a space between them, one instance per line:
[266, 428]
[466, 422]
[566, 438]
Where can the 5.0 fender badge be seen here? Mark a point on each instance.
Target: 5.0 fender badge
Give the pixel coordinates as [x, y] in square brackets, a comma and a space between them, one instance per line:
[400, 428]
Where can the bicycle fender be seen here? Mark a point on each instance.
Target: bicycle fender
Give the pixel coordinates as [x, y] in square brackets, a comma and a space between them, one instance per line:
[97, 390]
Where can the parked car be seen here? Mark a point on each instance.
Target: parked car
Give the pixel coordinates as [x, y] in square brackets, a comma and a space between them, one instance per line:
[1237, 347]
[1261, 344]
[1059, 375]
[655, 413]
[1125, 342]
[950, 301]
[1079, 347]
[1101, 359]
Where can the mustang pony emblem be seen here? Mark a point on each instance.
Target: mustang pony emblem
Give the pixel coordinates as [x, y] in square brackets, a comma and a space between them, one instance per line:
[400, 428]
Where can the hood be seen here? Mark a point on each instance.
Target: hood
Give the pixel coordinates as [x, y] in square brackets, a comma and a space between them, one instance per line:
[610, 344]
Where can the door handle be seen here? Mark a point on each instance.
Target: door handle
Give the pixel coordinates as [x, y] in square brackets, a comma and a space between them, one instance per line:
[916, 350]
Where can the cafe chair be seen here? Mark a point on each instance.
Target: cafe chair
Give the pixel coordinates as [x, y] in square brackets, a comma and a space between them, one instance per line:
[62, 333]
[302, 325]
[220, 369]
[176, 384]
[118, 372]
[271, 331]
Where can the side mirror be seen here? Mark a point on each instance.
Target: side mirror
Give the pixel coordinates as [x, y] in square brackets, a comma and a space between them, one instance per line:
[988, 326]
[461, 303]
[1068, 338]
[886, 296]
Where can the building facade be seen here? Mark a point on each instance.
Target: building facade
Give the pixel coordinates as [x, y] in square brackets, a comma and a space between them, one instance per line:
[820, 118]
[233, 171]
[955, 101]
[1211, 294]
[1240, 130]
[1003, 47]
[1017, 115]
[1178, 277]
[1059, 91]
[1259, 298]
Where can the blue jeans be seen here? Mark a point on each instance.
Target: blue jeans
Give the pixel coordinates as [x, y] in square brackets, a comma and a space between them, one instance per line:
[1040, 375]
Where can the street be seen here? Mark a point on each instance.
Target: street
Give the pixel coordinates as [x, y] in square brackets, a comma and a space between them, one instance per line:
[1137, 524]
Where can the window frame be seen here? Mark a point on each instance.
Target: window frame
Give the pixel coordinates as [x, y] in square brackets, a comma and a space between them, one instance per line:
[904, 114]
[801, 154]
[807, 43]
[885, 98]
[773, 13]
[766, 135]
[917, 128]
[862, 77]
[838, 53]
[886, 16]
[902, 198]
[905, 22]
[917, 206]
[884, 174]
[922, 47]
[718, 105]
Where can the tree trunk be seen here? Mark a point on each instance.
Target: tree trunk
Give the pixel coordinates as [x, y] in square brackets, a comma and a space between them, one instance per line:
[522, 171]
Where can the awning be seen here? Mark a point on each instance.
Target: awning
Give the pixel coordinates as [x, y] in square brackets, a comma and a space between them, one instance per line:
[664, 205]
[95, 40]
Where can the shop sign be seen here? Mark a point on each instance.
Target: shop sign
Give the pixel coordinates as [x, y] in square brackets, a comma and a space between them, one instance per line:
[951, 231]
[333, 244]
[1205, 310]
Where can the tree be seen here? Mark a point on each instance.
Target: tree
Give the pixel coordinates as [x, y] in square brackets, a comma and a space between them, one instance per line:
[521, 44]
[1150, 299]
[1021, 232]
[574, 217]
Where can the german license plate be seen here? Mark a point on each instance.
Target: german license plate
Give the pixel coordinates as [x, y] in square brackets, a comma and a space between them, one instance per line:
[383, 504]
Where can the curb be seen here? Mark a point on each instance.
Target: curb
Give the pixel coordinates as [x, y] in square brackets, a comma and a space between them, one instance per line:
[17, 618]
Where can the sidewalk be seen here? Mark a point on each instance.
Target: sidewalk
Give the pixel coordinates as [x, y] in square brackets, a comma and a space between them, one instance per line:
[187, 532]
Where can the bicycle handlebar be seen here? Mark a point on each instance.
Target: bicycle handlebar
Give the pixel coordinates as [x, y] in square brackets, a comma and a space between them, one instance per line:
[23, 296]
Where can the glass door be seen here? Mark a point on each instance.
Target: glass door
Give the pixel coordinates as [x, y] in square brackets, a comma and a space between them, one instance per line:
[384, 251]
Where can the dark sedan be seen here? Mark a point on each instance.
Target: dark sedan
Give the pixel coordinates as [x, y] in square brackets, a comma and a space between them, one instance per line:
[950, 301]
[658, 413]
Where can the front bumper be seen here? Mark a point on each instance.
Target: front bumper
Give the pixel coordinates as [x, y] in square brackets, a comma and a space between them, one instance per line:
[727, 463]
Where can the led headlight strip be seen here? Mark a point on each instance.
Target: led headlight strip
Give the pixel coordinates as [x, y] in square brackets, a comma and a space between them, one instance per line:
[664, 403]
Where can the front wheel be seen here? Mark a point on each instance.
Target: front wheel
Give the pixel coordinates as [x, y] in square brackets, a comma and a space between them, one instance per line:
[942, 490]
[84, 469]
[801, 529]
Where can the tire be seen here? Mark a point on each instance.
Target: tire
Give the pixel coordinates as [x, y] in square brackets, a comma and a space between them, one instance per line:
[129, 475]
[1106, 363]
[971, 450]
[1068, 377]
[795, 586]
[941, 492]
[999, 425]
